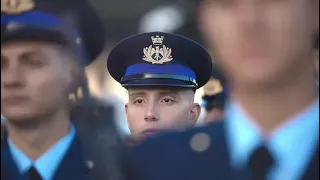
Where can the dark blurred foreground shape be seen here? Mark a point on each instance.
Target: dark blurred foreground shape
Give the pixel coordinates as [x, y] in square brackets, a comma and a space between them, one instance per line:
[94, 120]
[271, 132]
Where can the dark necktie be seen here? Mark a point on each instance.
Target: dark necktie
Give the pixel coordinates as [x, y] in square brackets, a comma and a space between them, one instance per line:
[33, 174]
[260, 163]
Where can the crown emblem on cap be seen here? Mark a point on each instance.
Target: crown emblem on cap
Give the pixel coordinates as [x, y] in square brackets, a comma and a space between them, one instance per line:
[157, 40]
[212, 87]
[16, 6]
[157, 54]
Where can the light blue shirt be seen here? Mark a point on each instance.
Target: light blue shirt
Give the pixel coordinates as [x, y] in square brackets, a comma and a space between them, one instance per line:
[292, 145]
[47, 164]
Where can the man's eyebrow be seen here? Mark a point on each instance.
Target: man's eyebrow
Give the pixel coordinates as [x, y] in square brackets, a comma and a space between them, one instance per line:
[136, 93]
[168, 92]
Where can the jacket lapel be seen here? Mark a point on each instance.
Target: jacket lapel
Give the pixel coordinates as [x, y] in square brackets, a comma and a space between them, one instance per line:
[312, 172]
[73, 165]
[9, 169]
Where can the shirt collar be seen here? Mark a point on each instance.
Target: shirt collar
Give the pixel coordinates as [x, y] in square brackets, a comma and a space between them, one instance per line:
[243, 135]
[299, 134]
[46, 164]
[294, 143]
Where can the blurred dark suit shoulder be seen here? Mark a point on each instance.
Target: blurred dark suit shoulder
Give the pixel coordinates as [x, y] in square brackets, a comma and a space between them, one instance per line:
[101, 143]
[200, 153]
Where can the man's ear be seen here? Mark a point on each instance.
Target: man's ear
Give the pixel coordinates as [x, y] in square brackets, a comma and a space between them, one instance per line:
[126, 109]
[195, 112]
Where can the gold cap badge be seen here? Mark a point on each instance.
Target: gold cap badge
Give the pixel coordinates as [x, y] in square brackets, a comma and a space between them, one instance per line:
[16, 6]
[212, 87]
[157, 54]
[76, 96]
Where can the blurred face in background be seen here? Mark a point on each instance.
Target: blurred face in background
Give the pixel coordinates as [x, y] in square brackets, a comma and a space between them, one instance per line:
[213, 114]
[260, 42]
[34, 80]
[150, 111]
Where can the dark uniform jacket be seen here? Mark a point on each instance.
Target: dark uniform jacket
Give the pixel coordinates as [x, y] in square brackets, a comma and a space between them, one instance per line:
[175, 156]
[95, 153]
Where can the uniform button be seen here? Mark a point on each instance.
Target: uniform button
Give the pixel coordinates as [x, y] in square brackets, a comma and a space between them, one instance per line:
[89, 164]
[78, 41]
[200, 142]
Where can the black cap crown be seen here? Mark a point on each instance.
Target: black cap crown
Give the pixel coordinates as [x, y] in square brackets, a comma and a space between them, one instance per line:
[159, 59]
[73, 22]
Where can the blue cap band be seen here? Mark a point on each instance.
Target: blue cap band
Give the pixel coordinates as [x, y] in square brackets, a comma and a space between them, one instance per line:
[37, 19]
[174, 69]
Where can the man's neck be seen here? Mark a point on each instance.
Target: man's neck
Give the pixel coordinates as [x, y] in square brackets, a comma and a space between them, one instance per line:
[272, 108]
[36, 140]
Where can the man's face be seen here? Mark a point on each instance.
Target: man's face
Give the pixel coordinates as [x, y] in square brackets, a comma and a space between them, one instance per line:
[152, 110]
[34, 80]
[260, 41]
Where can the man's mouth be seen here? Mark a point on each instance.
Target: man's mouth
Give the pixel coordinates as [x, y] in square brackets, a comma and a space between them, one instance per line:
[150, 132]
[13, 100]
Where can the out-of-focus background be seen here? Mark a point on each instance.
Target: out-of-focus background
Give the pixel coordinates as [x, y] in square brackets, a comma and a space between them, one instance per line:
[123, 18]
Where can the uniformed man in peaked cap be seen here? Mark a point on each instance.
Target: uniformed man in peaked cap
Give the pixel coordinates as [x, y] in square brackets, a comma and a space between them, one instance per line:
[44, 46]
[214, 98]
[161, 72]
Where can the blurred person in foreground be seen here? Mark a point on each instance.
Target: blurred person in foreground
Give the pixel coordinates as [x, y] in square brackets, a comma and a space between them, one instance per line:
[271, 129]
[44, 48]
[214, 98]
[161, 72]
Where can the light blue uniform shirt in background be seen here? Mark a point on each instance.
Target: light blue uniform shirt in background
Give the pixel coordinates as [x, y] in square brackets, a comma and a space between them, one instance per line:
[48, 163]
[293, 145]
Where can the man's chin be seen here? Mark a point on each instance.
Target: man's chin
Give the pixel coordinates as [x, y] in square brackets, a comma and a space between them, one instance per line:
[146, 135]
[22, 118]
[257, 81]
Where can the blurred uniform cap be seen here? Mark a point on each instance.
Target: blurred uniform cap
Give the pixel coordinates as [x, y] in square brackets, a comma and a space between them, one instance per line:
[215, 92]
[70, 22]
[159, 59]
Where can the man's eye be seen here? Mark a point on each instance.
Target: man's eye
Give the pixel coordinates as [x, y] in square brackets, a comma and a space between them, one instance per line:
[167, 101]
[3, 64]
[32, 60]
[138, 101]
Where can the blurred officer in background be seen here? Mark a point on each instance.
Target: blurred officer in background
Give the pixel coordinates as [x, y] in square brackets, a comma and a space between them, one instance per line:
[161, 72]
[271, 129]
[214, 97]
[44, 47]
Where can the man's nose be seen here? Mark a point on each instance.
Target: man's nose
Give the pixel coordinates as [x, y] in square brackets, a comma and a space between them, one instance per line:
[151, 113]
[250, 15]
[12, 78]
